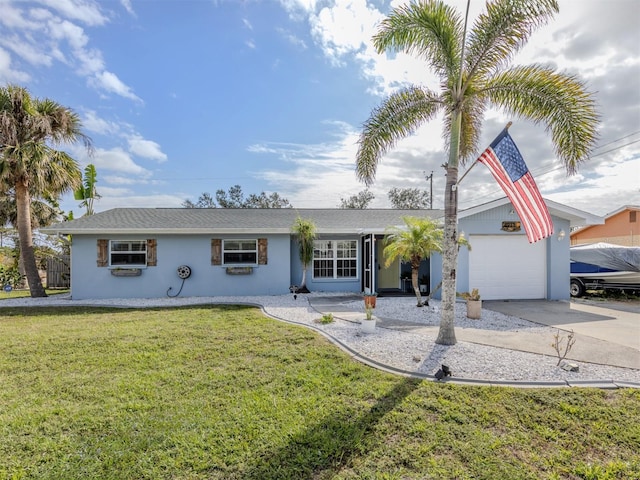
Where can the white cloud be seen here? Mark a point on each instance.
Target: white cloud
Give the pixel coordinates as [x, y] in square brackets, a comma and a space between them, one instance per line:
[93, 123]
[146, 148]
[111, 83]
[344, 28]
[128, 7]
[42, 36]
[112, 160]
[7, 73]
[85, 11]
[26, 51]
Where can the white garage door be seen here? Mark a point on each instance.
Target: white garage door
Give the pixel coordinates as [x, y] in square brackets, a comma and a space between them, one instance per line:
[507, 267]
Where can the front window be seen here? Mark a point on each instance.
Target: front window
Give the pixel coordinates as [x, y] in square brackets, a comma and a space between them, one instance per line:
[335, 259]
[128, 253]
[240, 252]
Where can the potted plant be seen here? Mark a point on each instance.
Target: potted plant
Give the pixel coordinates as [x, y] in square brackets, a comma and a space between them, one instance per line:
[369, 321]
[370, 299]
[474, 303]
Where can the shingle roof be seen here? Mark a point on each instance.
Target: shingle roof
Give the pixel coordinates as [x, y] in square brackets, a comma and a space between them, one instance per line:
[229, 220]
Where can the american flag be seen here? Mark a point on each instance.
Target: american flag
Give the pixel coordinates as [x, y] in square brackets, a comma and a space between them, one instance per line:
[508, 168]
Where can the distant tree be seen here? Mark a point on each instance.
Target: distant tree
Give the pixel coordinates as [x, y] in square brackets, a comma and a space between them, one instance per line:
[305, 233]
[408, 198]
[234, 198]
[360, 200]
[266, 201]
[204, 201]
[87, 191]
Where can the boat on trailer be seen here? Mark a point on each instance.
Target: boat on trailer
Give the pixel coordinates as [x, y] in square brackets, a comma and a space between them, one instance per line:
[601, 266]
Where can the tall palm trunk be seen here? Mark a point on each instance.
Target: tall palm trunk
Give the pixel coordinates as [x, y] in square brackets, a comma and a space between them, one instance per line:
[23, 208]
[446, 333]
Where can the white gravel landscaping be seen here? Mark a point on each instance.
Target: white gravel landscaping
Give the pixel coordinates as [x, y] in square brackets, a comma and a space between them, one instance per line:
[404, 350]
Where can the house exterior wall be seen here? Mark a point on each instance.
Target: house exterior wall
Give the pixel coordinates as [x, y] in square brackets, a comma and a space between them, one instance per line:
[489, 223]
[617, 229]
[90, 281]
[326, 284]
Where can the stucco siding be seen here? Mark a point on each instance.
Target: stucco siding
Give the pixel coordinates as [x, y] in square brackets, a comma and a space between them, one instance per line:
[90, 281]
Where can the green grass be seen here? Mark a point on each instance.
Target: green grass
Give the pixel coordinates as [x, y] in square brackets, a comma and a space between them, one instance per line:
[26, 293]
[222, 392]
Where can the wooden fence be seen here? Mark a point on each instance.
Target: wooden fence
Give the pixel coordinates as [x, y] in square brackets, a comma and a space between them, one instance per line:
[59, 272]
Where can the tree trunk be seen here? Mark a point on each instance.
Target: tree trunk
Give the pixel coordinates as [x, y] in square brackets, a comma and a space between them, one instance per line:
[26, 241]
[303, 283]
[446, 333]
[415, 285]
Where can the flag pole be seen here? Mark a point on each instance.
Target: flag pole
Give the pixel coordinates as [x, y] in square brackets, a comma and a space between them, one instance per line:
[476, 160]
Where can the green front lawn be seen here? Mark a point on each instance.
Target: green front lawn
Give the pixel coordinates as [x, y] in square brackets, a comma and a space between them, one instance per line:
[222, 392]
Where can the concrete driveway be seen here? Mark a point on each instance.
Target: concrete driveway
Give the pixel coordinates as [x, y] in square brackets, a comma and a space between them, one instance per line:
[608, 332]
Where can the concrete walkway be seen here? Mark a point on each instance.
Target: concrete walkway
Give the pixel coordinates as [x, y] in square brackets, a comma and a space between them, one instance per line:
[604, 335]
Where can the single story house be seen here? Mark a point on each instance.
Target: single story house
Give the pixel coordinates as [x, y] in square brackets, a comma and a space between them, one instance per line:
[153, 252]
[621, 227]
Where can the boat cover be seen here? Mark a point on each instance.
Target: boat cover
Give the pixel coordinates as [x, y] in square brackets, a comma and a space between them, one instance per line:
[607, 255]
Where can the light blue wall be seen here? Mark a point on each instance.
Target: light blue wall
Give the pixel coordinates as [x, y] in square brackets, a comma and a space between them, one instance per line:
[489, 223]
[322, 284]
[90, 281]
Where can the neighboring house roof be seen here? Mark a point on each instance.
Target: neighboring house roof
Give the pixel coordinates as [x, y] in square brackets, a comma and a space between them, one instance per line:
[233, 221]
[624, 208]
[576, 217]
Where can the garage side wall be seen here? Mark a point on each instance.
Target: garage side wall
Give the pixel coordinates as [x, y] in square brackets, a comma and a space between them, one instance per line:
[91, 281]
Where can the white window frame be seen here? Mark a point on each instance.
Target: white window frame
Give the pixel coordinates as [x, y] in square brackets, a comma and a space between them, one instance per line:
[253, 251]
[330, 246]
[130, 251]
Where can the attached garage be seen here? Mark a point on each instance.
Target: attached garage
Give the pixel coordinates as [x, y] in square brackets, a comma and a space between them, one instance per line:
[507, 267]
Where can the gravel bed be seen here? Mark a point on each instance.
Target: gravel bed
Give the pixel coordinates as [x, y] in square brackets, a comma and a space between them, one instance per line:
[404, 350]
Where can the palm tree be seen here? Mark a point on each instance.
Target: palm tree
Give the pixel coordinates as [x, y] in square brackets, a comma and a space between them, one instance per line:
[420, 238]
[473, 75]
[87, 191]
[30, 165]
[305, 233]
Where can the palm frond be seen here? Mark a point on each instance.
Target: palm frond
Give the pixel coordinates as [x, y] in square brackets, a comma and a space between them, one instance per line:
[396, 118]
[431, 30]
[558, 100]
[498, 34]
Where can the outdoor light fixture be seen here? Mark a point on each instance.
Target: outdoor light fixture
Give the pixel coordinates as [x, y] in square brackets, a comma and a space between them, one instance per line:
[561, 235]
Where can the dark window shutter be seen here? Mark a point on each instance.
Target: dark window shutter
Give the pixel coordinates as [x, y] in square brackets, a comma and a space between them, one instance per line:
[632, 216]
[262, 251]
[103, 252]
[216, 251]
[152, 252]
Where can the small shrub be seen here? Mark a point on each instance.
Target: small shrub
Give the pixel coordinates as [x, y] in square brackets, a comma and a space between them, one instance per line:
[326, 318]
[558, 340]
[10, 276]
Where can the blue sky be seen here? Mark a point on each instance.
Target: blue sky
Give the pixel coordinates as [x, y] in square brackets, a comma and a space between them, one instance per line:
[185, 97]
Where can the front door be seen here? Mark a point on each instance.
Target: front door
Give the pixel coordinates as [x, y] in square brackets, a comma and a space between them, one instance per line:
[388, 277]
